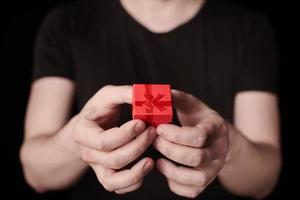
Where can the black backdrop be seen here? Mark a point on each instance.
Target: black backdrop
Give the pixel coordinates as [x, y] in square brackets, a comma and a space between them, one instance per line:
[19, 23]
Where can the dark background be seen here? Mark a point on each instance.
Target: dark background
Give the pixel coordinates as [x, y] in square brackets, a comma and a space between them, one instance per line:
[19, 23]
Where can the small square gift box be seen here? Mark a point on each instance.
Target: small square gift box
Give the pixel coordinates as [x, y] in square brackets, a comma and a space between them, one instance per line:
[152, 103]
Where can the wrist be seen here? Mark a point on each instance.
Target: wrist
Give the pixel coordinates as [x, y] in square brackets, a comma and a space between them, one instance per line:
[233, 152]
[234, 144]
[64, 138]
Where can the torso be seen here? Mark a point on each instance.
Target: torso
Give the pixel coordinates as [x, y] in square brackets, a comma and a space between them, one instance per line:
[199, 57]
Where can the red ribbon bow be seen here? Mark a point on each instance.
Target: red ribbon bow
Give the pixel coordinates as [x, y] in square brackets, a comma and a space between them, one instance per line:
[150, 103]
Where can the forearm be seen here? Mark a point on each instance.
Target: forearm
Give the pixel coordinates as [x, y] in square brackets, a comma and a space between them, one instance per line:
[251, 169]
[52, 162]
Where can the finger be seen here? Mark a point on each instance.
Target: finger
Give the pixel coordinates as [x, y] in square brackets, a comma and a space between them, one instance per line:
[217, 141]
[122, 156]
[132, 150]
[186, 175]
[112, 180]
[88, 133]
[189, 136]
[184, 190]
[182, 154]
[187, 103]
[129, 189]
[106, 98]
[115, 137]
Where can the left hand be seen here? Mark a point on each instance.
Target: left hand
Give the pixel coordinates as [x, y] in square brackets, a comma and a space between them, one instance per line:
[201, 145]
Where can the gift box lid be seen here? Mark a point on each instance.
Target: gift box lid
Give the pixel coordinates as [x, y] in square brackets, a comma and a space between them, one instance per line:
[152, 99]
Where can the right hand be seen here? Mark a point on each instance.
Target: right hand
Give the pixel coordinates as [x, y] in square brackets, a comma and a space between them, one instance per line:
[109, 150]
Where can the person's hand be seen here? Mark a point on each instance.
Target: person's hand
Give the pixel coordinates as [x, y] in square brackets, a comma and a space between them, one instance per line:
[200, 146]
[107, 151]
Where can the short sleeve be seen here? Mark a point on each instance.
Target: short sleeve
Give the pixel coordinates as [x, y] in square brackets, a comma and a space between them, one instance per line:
[258, 69]
[52, 49]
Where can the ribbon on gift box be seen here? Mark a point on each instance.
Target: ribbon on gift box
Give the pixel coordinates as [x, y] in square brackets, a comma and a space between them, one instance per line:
[152, 102]
[153, 107]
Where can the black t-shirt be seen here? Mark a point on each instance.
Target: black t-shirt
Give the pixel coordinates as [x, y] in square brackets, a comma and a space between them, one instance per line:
[221, 51]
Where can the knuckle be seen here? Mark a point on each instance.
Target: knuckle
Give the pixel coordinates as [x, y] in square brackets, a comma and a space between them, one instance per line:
[206, 128]
[102, 144]
[126, 135]
[76, 136]
[196, 158]
[193, 193]
[143, 146]
[224, 127]
[171, 186]
[78, 131]
[200, 139]
[141, 150]
[172, 174]
[117, 162]
[219, 119]
[176, 136]
[119, 192]
[107, 185]
[86, 155]
[89, 112]
[203, 179]
[139, 184]
[136, 178]
[185, 158]
[203, 129]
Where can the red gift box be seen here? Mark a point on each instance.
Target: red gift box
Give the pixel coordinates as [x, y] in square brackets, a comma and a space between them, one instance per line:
[152, 103]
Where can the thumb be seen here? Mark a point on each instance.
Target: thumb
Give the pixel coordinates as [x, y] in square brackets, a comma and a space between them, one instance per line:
[187, 103]
[107, 99]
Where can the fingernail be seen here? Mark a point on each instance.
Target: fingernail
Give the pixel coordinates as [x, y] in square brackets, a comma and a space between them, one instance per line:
[147, 166]
[139, 127]
[152, 133]
[160, 130]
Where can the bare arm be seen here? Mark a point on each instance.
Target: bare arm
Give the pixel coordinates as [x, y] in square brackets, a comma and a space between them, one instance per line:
[49, 156]
[254, 158]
